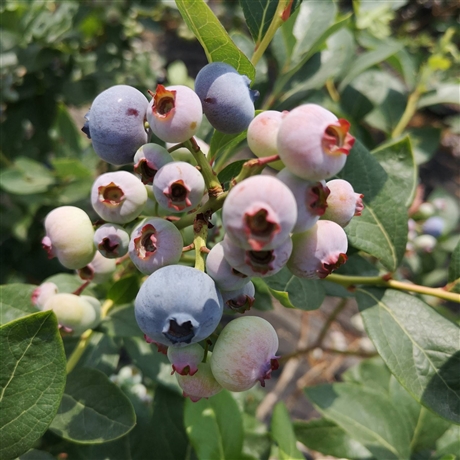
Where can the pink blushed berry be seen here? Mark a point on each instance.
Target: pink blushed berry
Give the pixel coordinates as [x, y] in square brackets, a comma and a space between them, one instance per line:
[313, 143]
[259, 213]
[319, 251]
[185, 360]
[244, 353]
[148, 160]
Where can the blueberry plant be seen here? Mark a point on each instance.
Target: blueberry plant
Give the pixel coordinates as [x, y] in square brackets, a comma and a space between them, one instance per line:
[284, 174]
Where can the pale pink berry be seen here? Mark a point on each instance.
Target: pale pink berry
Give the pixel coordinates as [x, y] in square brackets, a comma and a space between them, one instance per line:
[200, 385]
[259, 213]
[69, 237]
[319, 251]
[342, 203]
[148, 160]
[241, 299]
[118, 196]
[244, 353]
[42, 293]
[174, 113]
[225, 277]
[310, 198]
[263, 133]
[99, 270]
[178, 187]
[252, 263]
[313, 143]
[185, 360]
[111, 240]
[155, 243]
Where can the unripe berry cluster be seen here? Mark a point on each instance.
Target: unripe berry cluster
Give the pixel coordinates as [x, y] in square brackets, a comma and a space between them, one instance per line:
[294, 219]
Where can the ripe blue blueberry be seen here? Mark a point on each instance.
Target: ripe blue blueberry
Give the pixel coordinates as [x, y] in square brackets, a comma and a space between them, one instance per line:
[115, 123]
[434, 226]
[178, 305]
[227, 100]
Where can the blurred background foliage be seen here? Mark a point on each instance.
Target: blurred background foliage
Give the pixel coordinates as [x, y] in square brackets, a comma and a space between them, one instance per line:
[57, 56]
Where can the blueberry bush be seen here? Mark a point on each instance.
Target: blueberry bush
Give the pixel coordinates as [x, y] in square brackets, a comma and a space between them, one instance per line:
[177, 177]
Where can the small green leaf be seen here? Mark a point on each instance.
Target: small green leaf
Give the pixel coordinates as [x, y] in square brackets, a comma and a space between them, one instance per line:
[15, 302]
[381, 230]
[326, 437]
[449, 442]
[222, 145]
[369, 59]
[214, 39]
[398, 161]
[283, 433]
[263, 299]
[419, 346]
[445, 93]
[121, 322]
[294, 292]
[124, 290]
[35, 454]
[230, 171]
[214, 427]
[454, 269]
[368, 416]
[70, 168]
[93, 409]
[32, 379]
[168, 434]
[259, 15]
[425, 142]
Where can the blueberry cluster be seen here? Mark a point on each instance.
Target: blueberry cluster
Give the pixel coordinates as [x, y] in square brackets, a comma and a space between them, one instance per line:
[293, 219]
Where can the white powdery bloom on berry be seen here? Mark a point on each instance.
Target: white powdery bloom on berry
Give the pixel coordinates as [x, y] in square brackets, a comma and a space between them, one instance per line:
[259, 213]
[118, 196]
[319, 251]
[310, 198]
[42, 293]
[111, 240]
[178, 187]
[225, 276]
[155, 243]
[257, 263]
[148, 160]
[313, 143]
[69, 237]
[174, 113]
[342, 203]
[263, 133]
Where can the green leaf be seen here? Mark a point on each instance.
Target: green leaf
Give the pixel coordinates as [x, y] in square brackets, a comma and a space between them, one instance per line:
[70, 168]
[366, 415]
[124, 290]
[398, 161]
[222, 145]
[445, 93]
[15, 302]
[168, 434]
[214, 427]
[35, 454]
[426, 427]
[32, 379]
[68, 283]
[230, 171]
[214, 39]
[369, 59]
[93, 409]
[259, 15]
[294, 292]
[425, 142]
[121, 322]
[26, 177]
[419, 346]
[325, 436]
[449, 442]
[283, 433]
[381, 230]
[263, 299]
[454, 269]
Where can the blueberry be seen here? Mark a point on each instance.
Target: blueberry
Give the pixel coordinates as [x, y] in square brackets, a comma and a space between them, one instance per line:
[319, 251]
[434, 226]
[111, 241]
[227, 100]
[155, 243]
[42, 293]
[115, 124]
[99, 270]
[240, 300]
[178, 305]
[148, 160]
[118, 197]
[178, 186]
[185, 360]
[313, 143]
